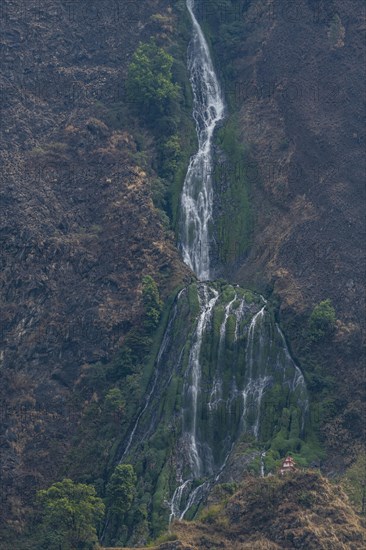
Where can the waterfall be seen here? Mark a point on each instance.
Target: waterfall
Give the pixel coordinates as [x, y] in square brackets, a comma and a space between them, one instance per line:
[255, 382]
[207, 303]
[222, 353]
[175, 503]
[224, 388]
[267, 354]
[196, 215]
[263, 455]
[197, 194]
[298, 383]
[224, 395]
[216, 391]
[223, 326]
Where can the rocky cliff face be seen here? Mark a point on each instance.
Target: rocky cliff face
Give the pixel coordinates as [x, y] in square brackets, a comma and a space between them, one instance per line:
[78, 226]
[295, 87]
[299, 97]
[301, 511]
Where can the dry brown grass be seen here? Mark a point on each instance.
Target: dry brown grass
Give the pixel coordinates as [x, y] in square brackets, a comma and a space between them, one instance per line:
[303, 510]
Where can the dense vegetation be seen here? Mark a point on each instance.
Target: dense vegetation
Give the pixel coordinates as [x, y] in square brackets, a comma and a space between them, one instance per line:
[120, 494]
[150, 81]
[322, 320]
[152, 303]
[70, 514]
[156, 108]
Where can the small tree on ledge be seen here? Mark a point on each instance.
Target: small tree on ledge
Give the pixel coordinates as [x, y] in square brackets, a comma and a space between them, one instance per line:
[322, 320]
[70, 514]
[150, 81]
[152, 302]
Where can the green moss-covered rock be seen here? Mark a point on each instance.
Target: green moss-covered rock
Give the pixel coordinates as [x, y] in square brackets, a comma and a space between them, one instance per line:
[223, 371]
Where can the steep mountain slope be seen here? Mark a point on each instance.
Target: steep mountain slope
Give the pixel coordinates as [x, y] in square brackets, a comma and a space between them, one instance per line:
[78, 226]
[292, 78]
[296, 87]
[302, 511]
[316, 181]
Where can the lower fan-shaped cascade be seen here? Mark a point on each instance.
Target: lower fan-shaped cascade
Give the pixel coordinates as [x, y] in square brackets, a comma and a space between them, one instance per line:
[221, 360]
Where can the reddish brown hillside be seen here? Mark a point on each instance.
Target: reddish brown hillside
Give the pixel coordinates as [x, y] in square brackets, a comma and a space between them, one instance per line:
[78, 228]
[301, 511]
[299, 90]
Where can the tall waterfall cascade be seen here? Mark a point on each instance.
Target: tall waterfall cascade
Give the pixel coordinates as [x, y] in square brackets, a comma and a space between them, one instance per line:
[264, 352]
[223, 370]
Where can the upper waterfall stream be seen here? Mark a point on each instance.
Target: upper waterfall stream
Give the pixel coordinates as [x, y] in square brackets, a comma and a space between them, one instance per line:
[197, 194]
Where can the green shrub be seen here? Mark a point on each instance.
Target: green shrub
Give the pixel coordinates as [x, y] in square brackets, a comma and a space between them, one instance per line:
[152, 303]
[70, 513]
[209, 515]
[121, 489]
[171, 153]
[114, 404]
[322, 321]
[149, 84]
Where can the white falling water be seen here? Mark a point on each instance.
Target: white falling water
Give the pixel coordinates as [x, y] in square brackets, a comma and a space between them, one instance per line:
[298, 381]
[182, 492]
[252, 398]
[254, 385]
[206, 305]
[215, 395]
[267, 353]
[207, 302]
[251, 334]
[263, 455]
[200, 455]
[216, 392]
[223, 326]
[196, 495]
[197, 194]
[239, 315]
[175, 503]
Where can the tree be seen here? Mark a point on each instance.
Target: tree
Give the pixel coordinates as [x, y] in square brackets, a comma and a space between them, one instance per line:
[115, 404]
[354, 483]
[152, 302]
[149, 82]
[121, 490]
[70, 514]
[322, 320]
[171, 154]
